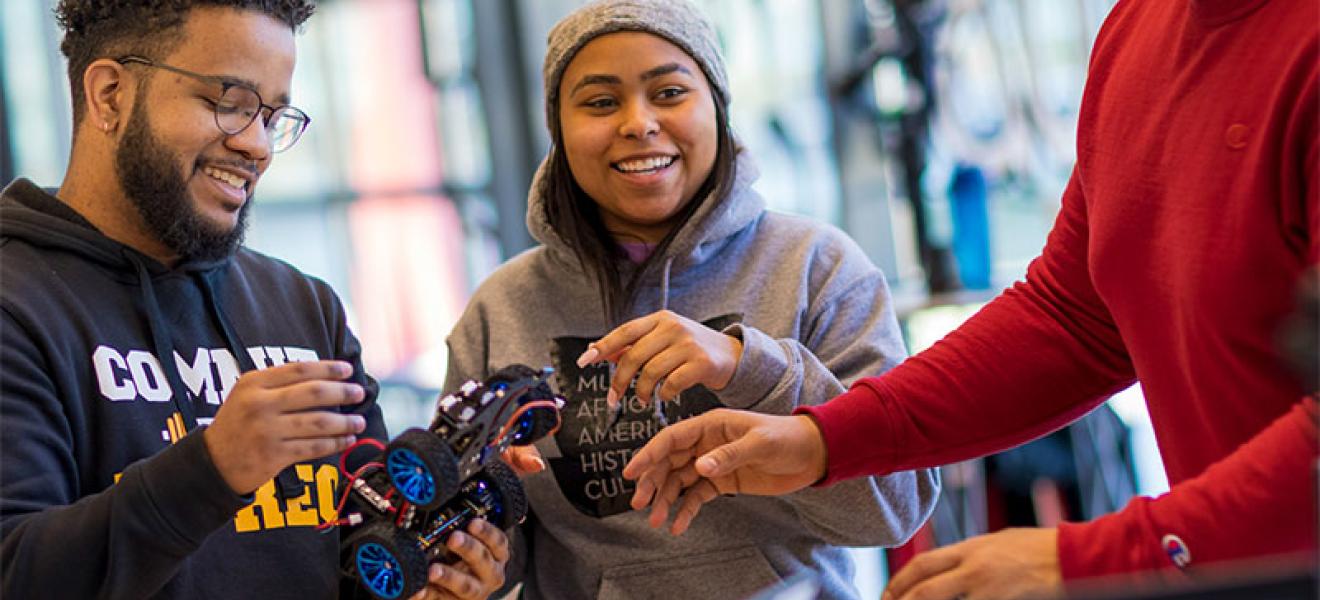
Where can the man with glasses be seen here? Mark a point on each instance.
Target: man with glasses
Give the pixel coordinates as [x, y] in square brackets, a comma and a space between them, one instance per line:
[172, 404]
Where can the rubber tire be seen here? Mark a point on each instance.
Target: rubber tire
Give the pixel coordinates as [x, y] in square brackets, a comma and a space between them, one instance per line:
[508, 491]
[410, 559]
[543, 419]
[436, 457]
[543, 422]
[510, 374]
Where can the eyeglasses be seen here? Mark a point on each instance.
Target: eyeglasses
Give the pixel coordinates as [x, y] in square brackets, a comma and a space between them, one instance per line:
[239, 106]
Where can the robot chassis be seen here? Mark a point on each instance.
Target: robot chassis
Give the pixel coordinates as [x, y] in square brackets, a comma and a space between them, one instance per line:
[428, 483]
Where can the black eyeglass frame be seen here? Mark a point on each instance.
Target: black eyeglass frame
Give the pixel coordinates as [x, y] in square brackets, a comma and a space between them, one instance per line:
[225, 85]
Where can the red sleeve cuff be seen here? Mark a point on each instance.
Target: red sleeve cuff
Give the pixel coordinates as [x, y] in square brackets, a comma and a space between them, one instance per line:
[857, 432]
[1258, 501]
[1110, 545]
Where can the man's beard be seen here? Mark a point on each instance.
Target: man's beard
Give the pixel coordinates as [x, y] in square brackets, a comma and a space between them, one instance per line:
[149, 175]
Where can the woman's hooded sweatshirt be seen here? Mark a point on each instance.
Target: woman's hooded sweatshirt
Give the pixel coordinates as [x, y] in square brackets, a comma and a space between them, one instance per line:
[813, 315]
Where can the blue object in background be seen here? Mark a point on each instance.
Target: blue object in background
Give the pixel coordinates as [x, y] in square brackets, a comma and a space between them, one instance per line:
[971, 226]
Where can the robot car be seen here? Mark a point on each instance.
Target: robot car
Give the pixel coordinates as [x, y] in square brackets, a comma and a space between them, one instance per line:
[428, 483]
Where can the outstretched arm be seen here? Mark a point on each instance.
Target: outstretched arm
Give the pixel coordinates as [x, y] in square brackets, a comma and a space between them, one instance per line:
[848, 330]
[1258, 501]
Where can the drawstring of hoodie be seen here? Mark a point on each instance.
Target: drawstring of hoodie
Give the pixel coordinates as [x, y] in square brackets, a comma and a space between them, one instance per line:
[664, 283]
[287, 484]
[235, 343]
[658, 406]
[162, 345]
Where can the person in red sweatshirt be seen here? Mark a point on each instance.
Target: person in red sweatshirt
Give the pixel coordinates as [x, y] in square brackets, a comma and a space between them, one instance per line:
[1191, 213]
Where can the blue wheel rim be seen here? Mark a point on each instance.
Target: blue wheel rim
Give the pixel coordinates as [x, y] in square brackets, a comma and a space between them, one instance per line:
[380, 570]
[410, 476]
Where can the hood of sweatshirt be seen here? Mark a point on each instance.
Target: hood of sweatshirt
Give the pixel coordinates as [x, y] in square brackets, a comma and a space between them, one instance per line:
[714, 222]
[30, 213]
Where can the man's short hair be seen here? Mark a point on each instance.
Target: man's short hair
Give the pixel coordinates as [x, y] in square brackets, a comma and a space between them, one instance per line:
[96, 29]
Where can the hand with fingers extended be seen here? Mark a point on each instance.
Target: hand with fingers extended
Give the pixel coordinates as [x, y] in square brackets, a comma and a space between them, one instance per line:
[282, 415]
[1012, 563]
[484, 550]
[724, 452]
[665, 347]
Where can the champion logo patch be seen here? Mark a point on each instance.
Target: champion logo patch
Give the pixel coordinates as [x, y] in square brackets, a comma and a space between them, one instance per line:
[1176, 550]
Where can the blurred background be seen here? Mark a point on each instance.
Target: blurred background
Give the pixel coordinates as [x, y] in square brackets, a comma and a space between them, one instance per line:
[938, 133]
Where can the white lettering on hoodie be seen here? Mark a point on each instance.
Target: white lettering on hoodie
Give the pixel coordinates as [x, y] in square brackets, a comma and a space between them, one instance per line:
[210, 374]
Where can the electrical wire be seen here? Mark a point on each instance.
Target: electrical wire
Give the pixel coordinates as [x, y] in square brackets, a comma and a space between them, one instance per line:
[351, 477]
[522, 410]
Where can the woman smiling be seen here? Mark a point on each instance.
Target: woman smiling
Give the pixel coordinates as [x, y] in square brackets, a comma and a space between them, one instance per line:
[662, 289]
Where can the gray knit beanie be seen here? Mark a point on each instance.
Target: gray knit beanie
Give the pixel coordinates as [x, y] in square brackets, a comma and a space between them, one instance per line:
[678, 21]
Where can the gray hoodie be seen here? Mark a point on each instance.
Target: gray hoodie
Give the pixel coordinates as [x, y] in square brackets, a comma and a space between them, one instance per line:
[813, 314]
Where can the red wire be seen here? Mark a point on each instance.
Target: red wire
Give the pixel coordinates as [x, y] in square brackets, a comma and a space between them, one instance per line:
[348, 484]
[403, 510]
[559, 420]
[343, 456]
[509, 395]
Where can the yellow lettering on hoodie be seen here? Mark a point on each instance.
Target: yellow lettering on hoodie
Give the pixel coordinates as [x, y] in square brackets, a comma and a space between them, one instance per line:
[315, 505]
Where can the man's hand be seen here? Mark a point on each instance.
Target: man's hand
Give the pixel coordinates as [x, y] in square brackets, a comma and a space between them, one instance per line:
[278, 416]
[724, 452]
[665, 346]
[1012, 563]
[479, 574]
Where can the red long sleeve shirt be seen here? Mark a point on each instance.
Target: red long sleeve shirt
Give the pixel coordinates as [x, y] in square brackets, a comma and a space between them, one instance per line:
[1190, 215]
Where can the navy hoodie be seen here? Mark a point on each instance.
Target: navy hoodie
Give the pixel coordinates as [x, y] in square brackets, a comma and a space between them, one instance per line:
[108, 361]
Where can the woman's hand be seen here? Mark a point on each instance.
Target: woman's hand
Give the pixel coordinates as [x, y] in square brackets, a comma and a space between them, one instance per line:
[524, 460]
[665, 349]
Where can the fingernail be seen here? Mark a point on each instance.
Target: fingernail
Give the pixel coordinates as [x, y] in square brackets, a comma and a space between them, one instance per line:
[588, 357]
[456, 539]
[437, 572]
[612, 400]
[707, 463]
[359, 423]
[343, 369]
[540, 464]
